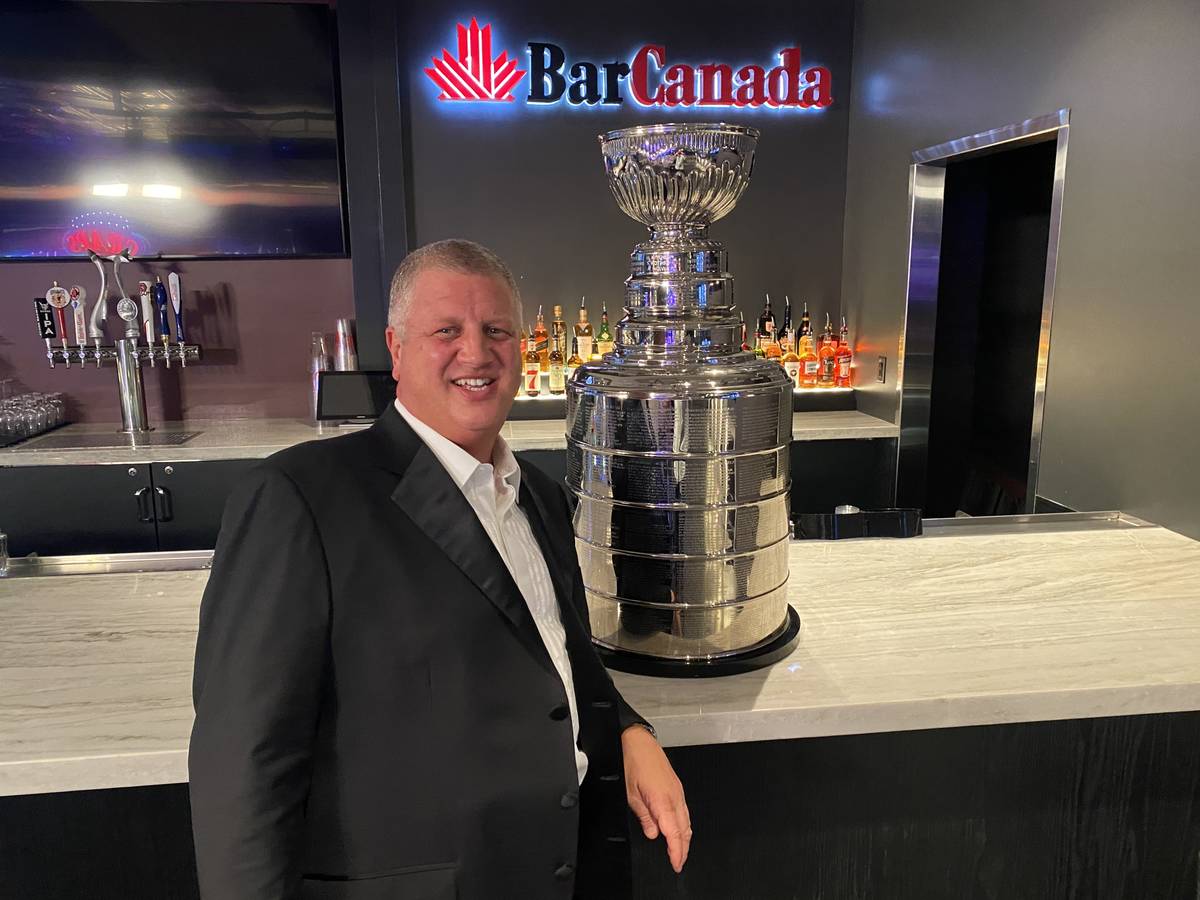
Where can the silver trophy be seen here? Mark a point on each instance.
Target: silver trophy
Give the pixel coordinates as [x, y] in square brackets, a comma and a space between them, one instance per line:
[677, 443]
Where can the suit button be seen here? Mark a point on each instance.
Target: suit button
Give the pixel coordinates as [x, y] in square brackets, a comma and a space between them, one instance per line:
[565, 871]
[560, 712]
[569, 799]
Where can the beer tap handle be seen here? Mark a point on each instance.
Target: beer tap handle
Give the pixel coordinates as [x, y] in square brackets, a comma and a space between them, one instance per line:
[59, 299]
[164, 322]
[100, 309]
[177, 305]
[147, 317]
[45, 316]
[79, 312]
[118, 258]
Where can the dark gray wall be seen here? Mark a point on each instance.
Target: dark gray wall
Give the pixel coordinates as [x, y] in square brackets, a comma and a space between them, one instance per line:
[1120, 429]
[530, 182]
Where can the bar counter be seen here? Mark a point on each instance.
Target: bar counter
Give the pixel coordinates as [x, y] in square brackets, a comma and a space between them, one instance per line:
[258, 438]
[982, 623]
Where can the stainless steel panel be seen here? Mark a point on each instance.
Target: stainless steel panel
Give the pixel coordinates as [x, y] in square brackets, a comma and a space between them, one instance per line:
[1043, 357]
[914, 369]
[110, 563]
[115, 440]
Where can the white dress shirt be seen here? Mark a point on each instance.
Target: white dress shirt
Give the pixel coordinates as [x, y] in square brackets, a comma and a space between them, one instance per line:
[493, 490]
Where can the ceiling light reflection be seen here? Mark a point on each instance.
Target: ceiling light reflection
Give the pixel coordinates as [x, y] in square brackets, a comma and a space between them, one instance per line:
[162, 191]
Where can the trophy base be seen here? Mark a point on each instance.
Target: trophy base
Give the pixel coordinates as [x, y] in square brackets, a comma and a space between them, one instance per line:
[747, 661]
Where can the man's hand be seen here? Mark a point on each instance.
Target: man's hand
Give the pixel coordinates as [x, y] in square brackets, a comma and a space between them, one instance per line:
[655, 794]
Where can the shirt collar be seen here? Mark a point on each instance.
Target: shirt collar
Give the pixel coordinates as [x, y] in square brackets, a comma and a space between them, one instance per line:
[460, 464]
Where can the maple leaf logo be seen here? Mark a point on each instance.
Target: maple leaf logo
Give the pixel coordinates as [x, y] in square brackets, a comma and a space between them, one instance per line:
[473, 74]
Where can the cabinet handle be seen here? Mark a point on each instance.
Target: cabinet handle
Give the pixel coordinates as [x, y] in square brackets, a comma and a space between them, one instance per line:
[145, 512]
[166, 511]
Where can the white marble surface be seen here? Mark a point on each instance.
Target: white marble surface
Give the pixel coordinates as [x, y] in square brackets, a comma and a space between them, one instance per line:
[962, 629]
[257, 438]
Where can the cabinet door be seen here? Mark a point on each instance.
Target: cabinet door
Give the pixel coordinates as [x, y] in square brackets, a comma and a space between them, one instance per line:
[67, 510]
[189, 498]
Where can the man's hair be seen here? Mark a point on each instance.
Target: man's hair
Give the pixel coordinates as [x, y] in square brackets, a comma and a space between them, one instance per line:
[465, 257]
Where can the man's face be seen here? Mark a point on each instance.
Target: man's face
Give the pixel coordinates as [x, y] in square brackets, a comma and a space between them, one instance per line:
[456, 366]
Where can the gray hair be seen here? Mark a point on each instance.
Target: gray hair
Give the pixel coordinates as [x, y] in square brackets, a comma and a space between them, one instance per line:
[464, 257]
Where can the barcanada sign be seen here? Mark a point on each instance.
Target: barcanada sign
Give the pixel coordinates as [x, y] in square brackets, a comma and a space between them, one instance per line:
[476, 74]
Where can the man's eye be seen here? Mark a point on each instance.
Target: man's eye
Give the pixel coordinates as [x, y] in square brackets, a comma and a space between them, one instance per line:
[498, 332]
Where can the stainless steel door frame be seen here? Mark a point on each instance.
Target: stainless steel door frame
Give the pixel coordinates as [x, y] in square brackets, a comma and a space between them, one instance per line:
[926, 198]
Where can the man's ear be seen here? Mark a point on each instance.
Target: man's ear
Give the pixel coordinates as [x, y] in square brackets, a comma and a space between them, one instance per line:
[394, 345]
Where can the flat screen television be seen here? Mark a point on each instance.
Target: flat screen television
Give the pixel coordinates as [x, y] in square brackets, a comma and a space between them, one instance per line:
[200, 129]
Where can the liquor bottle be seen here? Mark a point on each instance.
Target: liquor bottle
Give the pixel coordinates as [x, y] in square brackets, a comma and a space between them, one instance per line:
[524, 346]
[583, 332]
[558, 378]
[766, 321]
[773, 350]
[810, 365]
[541, 341]
[760, 346]
[533, 370]
[558, 328]
[745, 343]
[785, 327]
[791, 365]
[574, 361]
[805, 325]
[604, 338]
[845, 357]
[827, 355]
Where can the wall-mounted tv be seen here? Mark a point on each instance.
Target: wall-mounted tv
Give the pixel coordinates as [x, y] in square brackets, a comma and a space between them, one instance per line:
[173, 129]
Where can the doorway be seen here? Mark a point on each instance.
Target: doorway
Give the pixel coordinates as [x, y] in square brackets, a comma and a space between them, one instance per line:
[977, 332]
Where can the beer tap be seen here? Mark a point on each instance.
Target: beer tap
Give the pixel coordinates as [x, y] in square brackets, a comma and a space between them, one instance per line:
[147, 317]
[46, 330]
[59, 299]
[164, 324]
[79, 311]
[177, 304]
[100, 309]
[128, 311]
[118, 258]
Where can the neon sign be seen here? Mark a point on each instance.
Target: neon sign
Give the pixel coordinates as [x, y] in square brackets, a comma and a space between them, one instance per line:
[102, 233]
[475, 76]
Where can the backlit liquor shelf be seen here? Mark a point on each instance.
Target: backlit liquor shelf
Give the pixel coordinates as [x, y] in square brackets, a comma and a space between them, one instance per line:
[813, 362]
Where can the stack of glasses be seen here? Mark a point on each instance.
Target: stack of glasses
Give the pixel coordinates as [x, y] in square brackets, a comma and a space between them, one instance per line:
[28, 415]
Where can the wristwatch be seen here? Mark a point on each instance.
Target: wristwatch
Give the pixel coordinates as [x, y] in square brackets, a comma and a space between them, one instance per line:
[649, 728]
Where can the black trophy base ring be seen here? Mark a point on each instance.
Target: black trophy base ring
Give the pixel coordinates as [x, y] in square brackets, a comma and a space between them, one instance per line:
[756, 658]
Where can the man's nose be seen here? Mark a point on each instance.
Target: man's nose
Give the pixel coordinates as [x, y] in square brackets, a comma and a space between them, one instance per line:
[472, 347]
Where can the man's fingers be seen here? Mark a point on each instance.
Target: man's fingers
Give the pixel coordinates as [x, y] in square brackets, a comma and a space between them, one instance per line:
[672, 828]
[686, 817]
[645, 819]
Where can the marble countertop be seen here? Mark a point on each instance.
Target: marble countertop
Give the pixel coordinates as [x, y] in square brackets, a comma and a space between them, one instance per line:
[966, 627]
[257, 438]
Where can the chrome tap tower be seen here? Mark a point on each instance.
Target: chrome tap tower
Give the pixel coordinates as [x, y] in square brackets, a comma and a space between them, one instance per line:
[677, 442]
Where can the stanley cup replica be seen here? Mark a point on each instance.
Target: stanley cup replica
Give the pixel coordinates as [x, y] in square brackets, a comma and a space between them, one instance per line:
[677, 443]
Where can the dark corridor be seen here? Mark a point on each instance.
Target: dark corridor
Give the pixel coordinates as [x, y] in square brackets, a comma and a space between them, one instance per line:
[995, 230]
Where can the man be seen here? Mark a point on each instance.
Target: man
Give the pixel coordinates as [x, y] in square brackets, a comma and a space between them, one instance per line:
[396, 694]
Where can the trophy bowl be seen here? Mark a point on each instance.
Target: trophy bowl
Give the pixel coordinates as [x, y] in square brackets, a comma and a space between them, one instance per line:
[685, 176]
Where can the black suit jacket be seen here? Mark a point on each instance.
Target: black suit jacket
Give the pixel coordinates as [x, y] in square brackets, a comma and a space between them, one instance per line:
[376, 714]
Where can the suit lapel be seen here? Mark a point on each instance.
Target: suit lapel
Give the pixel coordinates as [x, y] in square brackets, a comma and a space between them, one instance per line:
[430, 498]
